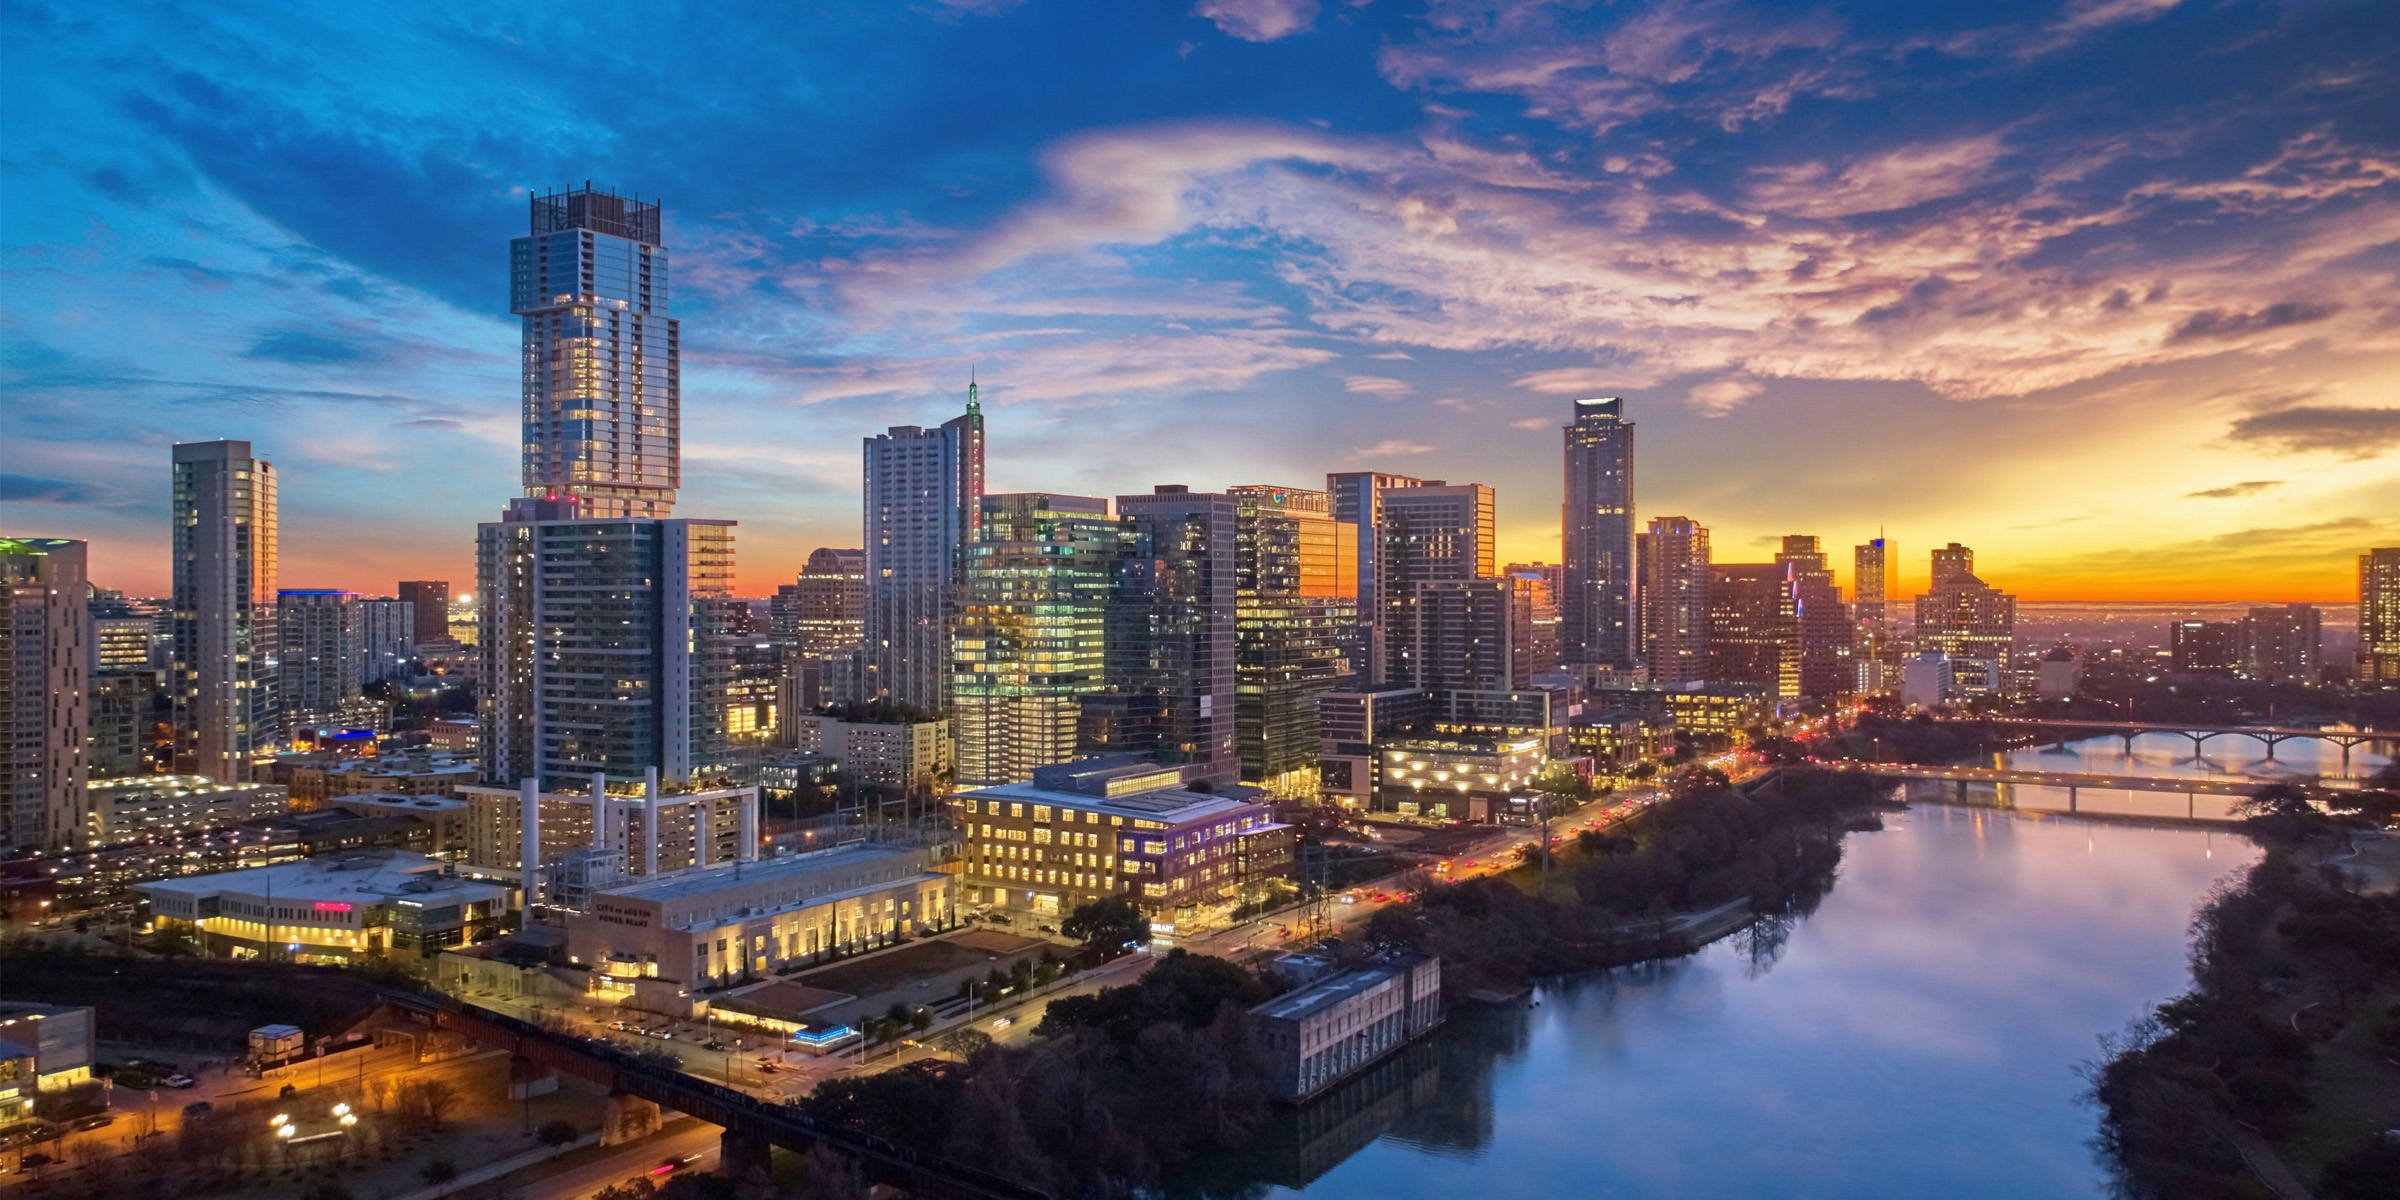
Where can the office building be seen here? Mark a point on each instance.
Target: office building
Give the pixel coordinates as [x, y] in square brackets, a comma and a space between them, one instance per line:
[1429, 531]
[2379, 617]
[1457, 775]
[718, 925]
[334, 909]
[117, 724]
[1482, 634]
[1295, 625]
[141, 806]
[1098, 828]
[1599, 613]
[387, 636]
[324, 655]
[128, 636]
[221, 676]
[60, 1037]
[2205, 648]
[924, 496]
[2058, 674]
[2284, 644]
[825, 609]
[1673, 588]
[602, 369]
[1358, 504]
[1754, 628]
[606, 644]
[45, 665]
[1965, 620]
[1827, 638]
[1170, 629]
[879, 748]
[429, 609]
[1875, 580]
[1330, 1030]
[644, 829]
[1028, 637]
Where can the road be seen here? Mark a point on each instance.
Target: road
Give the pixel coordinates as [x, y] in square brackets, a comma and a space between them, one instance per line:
[635, 1161]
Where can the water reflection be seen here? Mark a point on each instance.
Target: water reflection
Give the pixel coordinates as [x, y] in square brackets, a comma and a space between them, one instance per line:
[2230, 757]
[1916, 1035]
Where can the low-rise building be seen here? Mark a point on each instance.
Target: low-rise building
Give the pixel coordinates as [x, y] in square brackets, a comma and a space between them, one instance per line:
[692, 828]
[331, 909]
[892, 754]
[455, 735]
[1327, 1031]
[1458, 777]
[1085, 830]
[450, 828]
[140, 806]
[715, 925]
[60, 1037]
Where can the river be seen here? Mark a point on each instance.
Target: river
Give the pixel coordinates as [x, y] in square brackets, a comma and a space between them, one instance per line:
[1917, 1035]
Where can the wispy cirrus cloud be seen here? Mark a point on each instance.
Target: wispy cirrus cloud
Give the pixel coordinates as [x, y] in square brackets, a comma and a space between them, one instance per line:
[2234, 491]
[2315, 428]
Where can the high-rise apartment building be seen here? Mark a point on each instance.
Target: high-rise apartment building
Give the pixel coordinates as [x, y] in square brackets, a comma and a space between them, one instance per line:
[2284, 644]
[1029, 634]
[1965, 619]
[387, 638]
[1489, 635]
[322, 660]
[221, 676]
[825, 609]
[1434, 532]
[924, 496]
[2379, 617]
[45, 661]
[1874, 581]
[606, 644]
[1826, 636]
[1358, 503]
[1295, 621]
[1675, 575]
[429, 601]
[1599, 612]
[1171, 628]
[1754, 627]
[2205, 648]
[602, 372]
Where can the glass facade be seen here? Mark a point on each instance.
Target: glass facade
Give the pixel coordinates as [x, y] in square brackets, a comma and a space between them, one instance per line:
[1598, 618]
[1027, 641]
[1295, 624]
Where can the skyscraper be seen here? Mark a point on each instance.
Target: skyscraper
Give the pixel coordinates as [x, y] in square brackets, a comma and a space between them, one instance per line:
[222, 674]
[1482, 634]
[607, 644]
[45, 660]
[1029, 634]
[825, 609]
[1295, 622]
[1171, 625]
[602, 369]
[1433, 532]
[1875, 579]
[2205, 648]
[1826, 668]
[1674, 600]
[924, 496]
[1598, 614]
[387, 638]
[2284, 644]
[1754, 627]
[430, 604]
[2379, 616]
[322, 632]
[1358, 504]
[1966, 619]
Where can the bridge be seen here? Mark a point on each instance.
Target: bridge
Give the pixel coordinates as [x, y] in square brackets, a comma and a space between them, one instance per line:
[2272, 735]
[2073, 781]
[751, 1125]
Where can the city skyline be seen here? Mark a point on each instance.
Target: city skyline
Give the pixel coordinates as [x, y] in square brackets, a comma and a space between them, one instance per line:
[1405, 243]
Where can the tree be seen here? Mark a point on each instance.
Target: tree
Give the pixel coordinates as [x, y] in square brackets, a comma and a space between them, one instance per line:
[2282, 815]
[438, 1172]
[555, 1133]
[1109, 923]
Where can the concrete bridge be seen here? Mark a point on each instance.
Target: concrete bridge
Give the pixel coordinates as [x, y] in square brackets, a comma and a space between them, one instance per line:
[2272, 735]
[2073, 781]
[751, 1125]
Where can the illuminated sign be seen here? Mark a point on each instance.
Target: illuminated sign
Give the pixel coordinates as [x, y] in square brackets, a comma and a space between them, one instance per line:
[332, 906]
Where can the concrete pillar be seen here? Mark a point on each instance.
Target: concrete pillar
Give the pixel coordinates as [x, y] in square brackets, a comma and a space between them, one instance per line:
[650, 821]
[600, 813]
[701, 810]
[627, 1118]
[2071, 798]
[529, 842]
[526, 1080]
[749, 851]
[740, 1153]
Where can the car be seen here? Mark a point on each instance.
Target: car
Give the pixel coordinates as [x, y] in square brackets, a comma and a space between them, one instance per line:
[675, 1164]
[768, 1067]
[1002, 1023]
[180, 1082]
[95, 1121]
[36, 1159]
[1349, 899]
[288, 1090]
[997, 919]
[198, 1108]
[1047, 928]
[714, 1045]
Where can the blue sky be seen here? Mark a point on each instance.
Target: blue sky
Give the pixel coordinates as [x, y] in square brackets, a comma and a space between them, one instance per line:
[2104, 288]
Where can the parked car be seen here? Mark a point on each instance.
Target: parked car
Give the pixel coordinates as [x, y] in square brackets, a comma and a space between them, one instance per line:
[1047, 928]
[180, 1082]
[714, 1045]
[35, 1160]
[199, 1108]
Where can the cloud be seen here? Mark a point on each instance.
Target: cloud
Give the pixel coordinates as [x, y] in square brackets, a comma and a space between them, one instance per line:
[1572, 381]
[2351, 432]
[1259, 20]
[304, 348]
[1721, 397]
[26, 489]
[2217, 323]
[1377, 385]
[2231, 491]
[431, 423]
[1896, 179]
[1390, 447]
[1536, 423]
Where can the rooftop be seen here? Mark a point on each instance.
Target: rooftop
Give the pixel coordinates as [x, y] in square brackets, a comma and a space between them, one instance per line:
[1172, 805]
[430, 804]
[362, 873]
[700, 881]
[1317, 997]
[175, 784]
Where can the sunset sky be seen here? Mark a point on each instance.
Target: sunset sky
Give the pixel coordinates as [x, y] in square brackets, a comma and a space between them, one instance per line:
[2107, 289]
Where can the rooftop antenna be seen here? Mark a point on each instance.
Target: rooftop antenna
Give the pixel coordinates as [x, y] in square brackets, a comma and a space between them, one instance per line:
[973, 404]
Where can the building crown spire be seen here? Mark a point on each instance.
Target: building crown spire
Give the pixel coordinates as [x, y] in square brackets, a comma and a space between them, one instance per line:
[973, 404]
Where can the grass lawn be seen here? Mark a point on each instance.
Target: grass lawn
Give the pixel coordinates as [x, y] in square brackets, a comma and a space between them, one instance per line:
[897, 969]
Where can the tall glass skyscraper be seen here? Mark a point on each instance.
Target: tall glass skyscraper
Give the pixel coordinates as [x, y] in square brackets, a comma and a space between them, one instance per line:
[1171, 628]
[222, 674]
[1295, 618]
[924, 498]
[602, 377]
[1598, 616]
[1029, 634]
